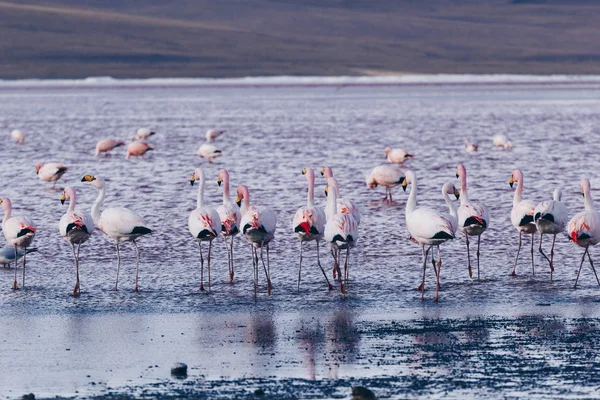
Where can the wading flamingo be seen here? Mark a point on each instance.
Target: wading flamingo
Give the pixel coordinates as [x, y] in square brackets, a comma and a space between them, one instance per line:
[521, 216]
[473, 218]
[118, 223]
[17, 136]
[309, 223]
[75, 227]
[397, 156]
[584, 227]
[19, 233]
[50, 172]
[204, 223]
[230, 215]
[388, 176]
[137, 149]
[551, 217]
[502, 141]
[209, 151]
[429, 227]
[470, 147]
[143, 133]
[341, 231]
[258, 227]
[106, 145]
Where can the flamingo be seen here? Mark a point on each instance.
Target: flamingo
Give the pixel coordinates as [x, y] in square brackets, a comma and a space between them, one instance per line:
[584, 227]
[309, 223]
[17, 136]
[106, 145]
[551, 217]
[397, 156]
[75, 227]
[230, 215]
[212, 134]
[429, 227]
[118, 223]
[7, 254]
[385, 175]
[470, 147]
[143, 133]
[473, 218]
[521, 215]
[341, 231]
[19, 233]
[258, 227]
[137, 149]
[50, 172]
[209, 151]
[344, 206]
[203, 223]
[502, 141]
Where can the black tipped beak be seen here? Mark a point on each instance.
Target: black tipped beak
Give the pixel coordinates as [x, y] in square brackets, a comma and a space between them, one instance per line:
[152, 133]
[457, 175]
[511, 184]
[457, 195]
[239, 203]
[192, 182]
[219, 182]
[62, 201]
[322, 173]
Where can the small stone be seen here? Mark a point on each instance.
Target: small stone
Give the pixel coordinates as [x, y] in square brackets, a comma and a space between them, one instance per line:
[29, 396]
[259, 392]
[362, 393]
[179, 370]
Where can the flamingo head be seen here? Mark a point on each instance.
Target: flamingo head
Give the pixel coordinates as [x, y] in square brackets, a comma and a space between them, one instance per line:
[408, 178]
[585, 186]
[95, 180]
[460, 170]
[242, 193]
[387, 151]
[516, 176]
[326, 172]
[223, 177]
[197, 175]
[449, 188]
[5, 203]
[38, 166]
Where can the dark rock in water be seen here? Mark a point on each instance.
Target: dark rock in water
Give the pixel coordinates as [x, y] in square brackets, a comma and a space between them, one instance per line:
[259, 392]
[179, 370]
[29, 396]
[362, 393]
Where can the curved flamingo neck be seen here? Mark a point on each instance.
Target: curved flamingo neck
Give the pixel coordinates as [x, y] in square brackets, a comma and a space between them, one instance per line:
[310, 197]
[411, 204]
[587, 200]
[245, 198]
[72, 199]
[451, 206]
[98, 203]
[225, 178]
[517, 198]
[332, 197]
[7, 207]
[464, 196]
[200, 200]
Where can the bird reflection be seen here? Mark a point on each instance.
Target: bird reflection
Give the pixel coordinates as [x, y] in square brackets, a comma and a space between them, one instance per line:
[311, 339]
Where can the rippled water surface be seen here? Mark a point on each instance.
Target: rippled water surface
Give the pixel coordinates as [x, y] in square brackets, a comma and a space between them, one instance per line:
[500, 336]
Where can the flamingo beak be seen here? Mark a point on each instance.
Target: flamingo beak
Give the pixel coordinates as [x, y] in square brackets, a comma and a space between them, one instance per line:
[219, 181]
[511, 181]
[322, 171]
[192, 180]
[403, 183]
[303, 171]
[456, 193]
[326, 190]
[238, 201]
[457, 174]
[582, 195]
[63, 198]
[88, 178]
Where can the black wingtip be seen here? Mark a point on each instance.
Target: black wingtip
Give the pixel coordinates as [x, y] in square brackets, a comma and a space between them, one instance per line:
[141, 230]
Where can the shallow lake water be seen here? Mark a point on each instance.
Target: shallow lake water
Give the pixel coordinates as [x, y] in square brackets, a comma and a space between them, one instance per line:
[499, 337]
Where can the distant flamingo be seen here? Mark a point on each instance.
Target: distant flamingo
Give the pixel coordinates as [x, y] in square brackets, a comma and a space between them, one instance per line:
[143, 133]
[75, 227]
[341, 231]
[258, 227]
[137, 149]
[502, 141]
[50, 172]
[231, 216]
[584, 227]
[551, 217]
[470, 147]
[212, 134]
[17, 136]
[385, 175]
[119, 223]
[19, 233]
[473, 218]
[309, 223]
[204, 223]
[209, 151]
[106, 145]
[429, 227]
[521, 216]
[397, 156]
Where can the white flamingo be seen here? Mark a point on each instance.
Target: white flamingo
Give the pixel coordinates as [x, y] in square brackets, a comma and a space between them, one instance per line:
[209, 151]
[119, 223]
[17, 136]
[212, 134]
[388, 176]
[584, 227]
[473, 218]
[470, 147]
[75, 227]
[19, 233]
[341, 231]
[143, 133]
[230, 215]
[502, 141]
[309, 223]
[204, 223]
[50, 172]
[429, 227]
[521, 216]
[551, 217]
[106, 145]
[397, 156]
[344, 206]
[258, 227]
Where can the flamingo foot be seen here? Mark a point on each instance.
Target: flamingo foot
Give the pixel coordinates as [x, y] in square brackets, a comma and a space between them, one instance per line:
[513, 273]
[330, 286]
[231, 277]
[334, 274]
[15, 285]
[470, 272]
[269, 287]
[436, 299]
[202, 287]
[343, 289]
[136, 288]
[76, 291]
[420, 287]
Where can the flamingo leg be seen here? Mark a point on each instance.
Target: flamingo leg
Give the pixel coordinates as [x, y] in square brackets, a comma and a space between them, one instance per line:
[265, 268]
[15, 284]
[478, 242]
[579, 270]
[201, 266]
[232, 273]
[118, 266]
[439, 268]
[514, 271]
[532, 266]
[552, 257]
[300, 268]
[390, 192]
[593, 269]
[268, 266]
[541, 250]
[469, 257]
[422, 285]
[228, 258]
[209, 249]
[254, 269]
[322, 270]
[137, 266]
[24, 263]
[345, 278]
[334, 263]
[76, 289]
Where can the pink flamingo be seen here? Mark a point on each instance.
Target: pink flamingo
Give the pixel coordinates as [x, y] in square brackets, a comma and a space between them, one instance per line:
[106, 145]
[230, 215]
[137, 149]
[521, 215]
[19, 233]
